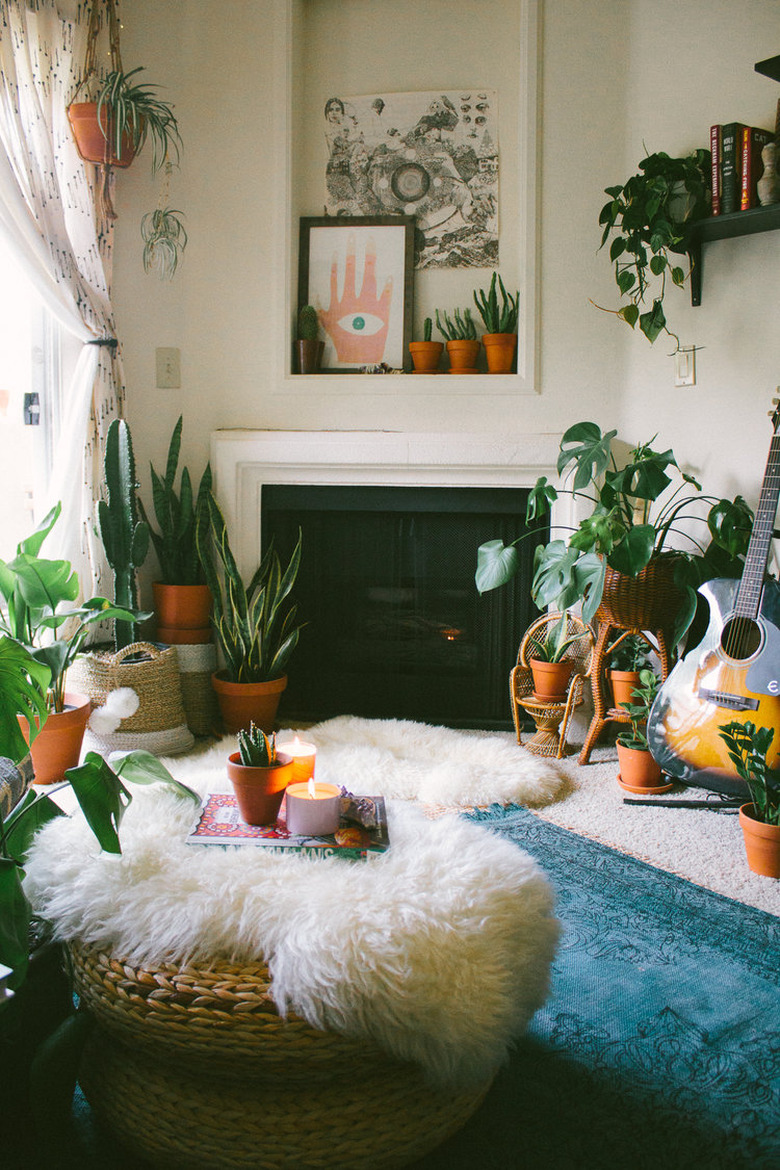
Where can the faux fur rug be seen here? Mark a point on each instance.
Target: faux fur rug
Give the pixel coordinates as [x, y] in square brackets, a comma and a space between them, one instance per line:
[439, 951]
[435, 765]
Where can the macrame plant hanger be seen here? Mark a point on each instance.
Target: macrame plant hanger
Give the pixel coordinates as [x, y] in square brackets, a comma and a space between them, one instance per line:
[105, 204]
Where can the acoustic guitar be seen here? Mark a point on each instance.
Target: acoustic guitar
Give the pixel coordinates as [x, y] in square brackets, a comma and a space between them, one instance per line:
[734, 672]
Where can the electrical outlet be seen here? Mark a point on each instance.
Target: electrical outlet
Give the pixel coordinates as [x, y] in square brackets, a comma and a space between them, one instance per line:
[685, 366]
[168, 362]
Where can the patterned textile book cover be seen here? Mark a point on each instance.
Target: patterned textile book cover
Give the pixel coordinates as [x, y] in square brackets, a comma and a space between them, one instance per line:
[219, 823]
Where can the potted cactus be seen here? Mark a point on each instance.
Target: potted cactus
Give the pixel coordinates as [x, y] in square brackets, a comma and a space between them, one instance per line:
[500, 336]
[309, 347]
[426, 353]
[462, 341]
[259, 775]
[125, 537]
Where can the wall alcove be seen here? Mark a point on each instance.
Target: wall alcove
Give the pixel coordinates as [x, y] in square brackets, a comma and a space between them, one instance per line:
[325, 48]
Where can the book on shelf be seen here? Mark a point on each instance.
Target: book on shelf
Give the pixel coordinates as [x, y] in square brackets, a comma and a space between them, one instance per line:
[731, 167]
[219, 823]
[716, 145]
[754, 139]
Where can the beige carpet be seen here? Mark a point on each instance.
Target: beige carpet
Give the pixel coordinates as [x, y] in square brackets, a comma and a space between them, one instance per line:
[704, 846]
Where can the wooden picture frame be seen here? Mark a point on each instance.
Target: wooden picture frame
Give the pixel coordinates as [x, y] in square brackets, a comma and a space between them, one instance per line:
[357, 271]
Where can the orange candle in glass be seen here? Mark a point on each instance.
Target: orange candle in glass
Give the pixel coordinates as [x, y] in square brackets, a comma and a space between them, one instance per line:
[303, 757]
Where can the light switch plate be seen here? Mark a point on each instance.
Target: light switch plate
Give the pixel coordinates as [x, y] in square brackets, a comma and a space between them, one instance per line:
[685, 366]
[168, 363]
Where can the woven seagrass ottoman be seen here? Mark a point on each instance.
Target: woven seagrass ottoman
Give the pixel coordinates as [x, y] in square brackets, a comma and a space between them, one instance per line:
[194, 1068]
[266, 1011]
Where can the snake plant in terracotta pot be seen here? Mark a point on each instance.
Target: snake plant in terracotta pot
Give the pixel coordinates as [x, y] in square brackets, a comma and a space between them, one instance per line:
[254, 624]
[500, 321]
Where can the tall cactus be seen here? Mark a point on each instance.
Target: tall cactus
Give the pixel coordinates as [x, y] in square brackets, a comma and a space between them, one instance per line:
[125, 537]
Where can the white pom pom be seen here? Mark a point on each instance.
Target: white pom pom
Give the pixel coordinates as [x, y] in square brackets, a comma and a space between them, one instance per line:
[120, 704]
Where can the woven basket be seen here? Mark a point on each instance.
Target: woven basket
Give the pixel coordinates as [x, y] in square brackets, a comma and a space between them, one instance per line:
[159, 725]
[648, 601]
[194, 1067]
[197, 662]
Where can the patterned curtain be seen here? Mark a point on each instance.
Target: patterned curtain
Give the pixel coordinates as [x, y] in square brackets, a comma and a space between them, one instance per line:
[49, 213]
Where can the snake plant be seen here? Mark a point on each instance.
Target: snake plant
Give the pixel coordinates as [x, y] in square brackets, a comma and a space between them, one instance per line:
[177, 515]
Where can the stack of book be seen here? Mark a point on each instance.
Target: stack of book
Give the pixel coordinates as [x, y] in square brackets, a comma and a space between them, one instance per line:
[736, 165]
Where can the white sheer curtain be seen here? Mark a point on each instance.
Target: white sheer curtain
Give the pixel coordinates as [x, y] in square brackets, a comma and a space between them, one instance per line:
[48, 214]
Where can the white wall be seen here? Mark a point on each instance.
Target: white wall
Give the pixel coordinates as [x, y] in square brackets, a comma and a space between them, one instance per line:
[615, 74]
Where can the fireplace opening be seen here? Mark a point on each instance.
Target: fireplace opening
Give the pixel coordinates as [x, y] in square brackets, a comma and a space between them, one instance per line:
[395, 628]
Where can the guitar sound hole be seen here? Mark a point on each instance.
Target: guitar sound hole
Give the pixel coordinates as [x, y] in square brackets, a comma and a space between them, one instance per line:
[740, 638]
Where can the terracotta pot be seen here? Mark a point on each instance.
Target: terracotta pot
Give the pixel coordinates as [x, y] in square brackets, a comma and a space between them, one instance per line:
[259, 791]
[90, 141]
[551, 679]
[173, 637]
[639, 772]
[623, 683]
[58, 745]
[309, 355]
[426, 355]
[762, 843]
[181, 607]
[648, 601]
[243, 703]
[463, 356]
[500, 352]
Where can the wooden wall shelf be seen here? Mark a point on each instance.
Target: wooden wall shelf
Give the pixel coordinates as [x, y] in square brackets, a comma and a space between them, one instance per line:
[727, 227]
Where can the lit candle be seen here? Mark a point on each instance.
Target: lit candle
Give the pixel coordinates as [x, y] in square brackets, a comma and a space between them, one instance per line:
[313, 809]
[303, 755]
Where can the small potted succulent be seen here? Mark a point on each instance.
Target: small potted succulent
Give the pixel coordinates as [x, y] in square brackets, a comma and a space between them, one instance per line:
[748, 747]
[309, 347]
[500, 336]
[550, 667]
[628, 656]
[426, 353]
[639, 772]
[462, 341]
[259, 775]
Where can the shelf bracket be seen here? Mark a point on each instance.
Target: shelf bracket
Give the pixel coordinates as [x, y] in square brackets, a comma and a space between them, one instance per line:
[695, 261]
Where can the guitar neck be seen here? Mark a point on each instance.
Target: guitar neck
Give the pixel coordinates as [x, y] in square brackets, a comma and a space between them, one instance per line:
[748, 598]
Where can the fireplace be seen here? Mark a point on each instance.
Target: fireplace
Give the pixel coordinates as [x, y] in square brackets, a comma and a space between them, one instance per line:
[406, 634]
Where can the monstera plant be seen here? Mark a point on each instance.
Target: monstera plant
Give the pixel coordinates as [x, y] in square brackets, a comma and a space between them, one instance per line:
[641, 510]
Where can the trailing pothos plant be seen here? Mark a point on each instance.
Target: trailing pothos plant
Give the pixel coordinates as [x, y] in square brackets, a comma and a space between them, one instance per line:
[636, 511]
[652, 215]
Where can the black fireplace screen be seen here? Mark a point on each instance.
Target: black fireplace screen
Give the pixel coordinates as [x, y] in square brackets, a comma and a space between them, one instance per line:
[395, 626]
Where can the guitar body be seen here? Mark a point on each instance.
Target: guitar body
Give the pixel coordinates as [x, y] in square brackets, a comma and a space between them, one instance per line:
[733, 674]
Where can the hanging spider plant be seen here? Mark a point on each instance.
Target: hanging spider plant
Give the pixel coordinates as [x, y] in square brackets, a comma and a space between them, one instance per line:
[164, 239]
[131, 111]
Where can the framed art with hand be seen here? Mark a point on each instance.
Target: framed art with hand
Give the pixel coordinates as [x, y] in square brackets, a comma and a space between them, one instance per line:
[357, 272]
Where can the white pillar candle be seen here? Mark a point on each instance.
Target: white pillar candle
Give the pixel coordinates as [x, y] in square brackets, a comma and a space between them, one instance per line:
[312, 809]
[303, 755]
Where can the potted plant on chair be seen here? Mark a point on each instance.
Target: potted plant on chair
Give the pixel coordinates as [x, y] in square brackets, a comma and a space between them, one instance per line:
[254, 624]
[550, 667]
[462, 341]
[639, 772]
[500, 336]
[182, 599]
[748, 746]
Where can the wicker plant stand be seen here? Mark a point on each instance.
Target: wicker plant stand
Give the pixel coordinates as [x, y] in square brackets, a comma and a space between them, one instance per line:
[194, 1067]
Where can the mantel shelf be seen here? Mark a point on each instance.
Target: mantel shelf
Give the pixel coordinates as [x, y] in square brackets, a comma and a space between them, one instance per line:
[727, 227]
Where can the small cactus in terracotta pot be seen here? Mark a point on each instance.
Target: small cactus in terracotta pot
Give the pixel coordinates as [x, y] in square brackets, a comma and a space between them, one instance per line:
[308, 345]
[426, 353]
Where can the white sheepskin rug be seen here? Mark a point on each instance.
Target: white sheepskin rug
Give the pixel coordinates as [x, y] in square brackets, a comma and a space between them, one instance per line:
[436, 765]
[439, 951]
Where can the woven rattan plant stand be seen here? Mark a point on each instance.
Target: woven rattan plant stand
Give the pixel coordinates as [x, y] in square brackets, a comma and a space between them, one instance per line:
[193, 1067]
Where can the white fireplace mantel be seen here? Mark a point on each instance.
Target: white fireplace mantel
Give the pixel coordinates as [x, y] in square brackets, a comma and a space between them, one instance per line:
[244, 460]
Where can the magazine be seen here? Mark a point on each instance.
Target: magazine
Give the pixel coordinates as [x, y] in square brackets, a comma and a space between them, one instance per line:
[219, 823]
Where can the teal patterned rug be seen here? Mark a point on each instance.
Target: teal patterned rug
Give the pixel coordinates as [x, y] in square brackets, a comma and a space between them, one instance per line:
[660, 1044]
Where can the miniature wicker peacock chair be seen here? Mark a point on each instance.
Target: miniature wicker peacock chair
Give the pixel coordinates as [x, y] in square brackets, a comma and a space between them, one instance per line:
[521, 685]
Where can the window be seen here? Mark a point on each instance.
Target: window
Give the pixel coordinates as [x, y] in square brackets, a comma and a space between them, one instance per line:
[37, 359]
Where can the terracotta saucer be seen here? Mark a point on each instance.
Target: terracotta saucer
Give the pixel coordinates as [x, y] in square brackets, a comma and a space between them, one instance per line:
[640, 791]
